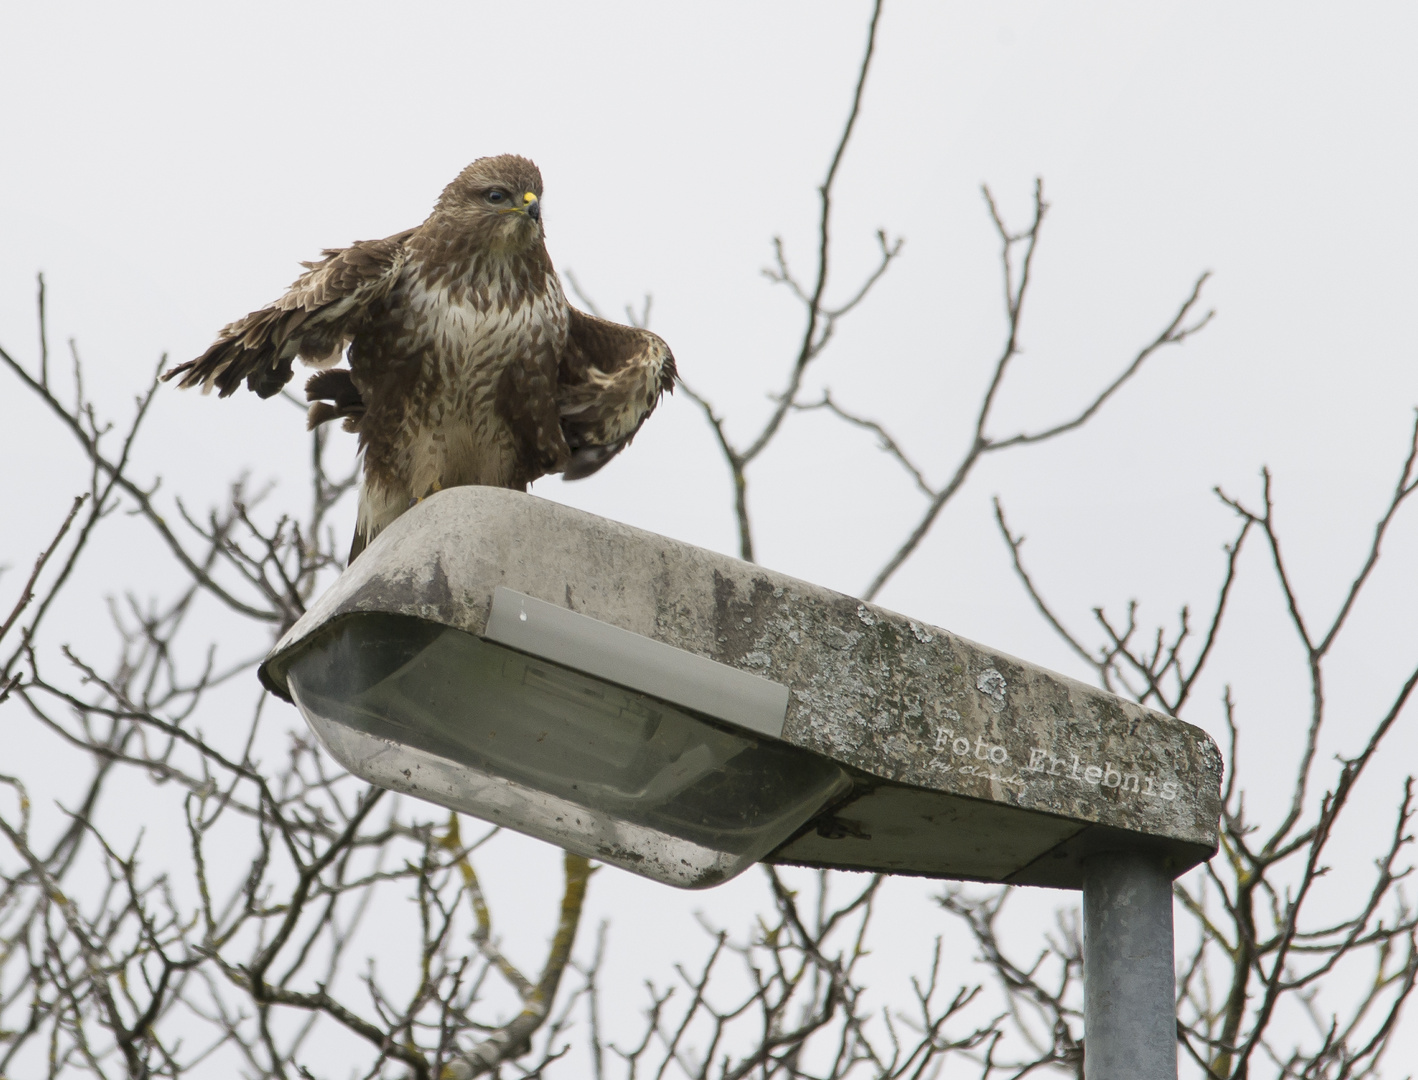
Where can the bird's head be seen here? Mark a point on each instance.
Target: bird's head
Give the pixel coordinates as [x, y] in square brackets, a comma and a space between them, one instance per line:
[497, 201]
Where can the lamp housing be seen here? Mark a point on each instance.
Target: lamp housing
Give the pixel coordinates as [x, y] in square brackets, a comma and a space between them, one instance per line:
[682, 714]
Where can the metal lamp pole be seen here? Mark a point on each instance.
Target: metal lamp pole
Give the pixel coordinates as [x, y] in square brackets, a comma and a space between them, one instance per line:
[1129, 985]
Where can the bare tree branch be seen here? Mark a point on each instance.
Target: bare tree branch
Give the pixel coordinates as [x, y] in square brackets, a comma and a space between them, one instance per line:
[821, 318]
[982, 444]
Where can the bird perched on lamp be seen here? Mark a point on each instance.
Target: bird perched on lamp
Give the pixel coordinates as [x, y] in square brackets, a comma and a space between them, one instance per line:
[466, 363]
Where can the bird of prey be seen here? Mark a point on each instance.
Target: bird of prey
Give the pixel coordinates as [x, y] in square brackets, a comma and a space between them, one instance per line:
[466, 363]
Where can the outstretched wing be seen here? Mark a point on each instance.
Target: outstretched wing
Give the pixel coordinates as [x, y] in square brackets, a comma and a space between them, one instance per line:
[610, 379]
[313, 320]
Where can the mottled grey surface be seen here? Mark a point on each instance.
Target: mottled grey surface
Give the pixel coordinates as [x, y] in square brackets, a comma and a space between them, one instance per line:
[1129, 986]
[897, 700]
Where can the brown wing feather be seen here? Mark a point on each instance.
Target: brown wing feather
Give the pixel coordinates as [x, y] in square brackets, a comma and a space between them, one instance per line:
[314, 319]
[611, 378]
[527, 399]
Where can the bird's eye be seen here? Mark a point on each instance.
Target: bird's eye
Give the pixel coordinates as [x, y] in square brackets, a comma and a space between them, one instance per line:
[496, 196]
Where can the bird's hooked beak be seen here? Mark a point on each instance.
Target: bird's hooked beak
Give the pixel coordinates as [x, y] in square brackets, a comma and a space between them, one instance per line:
[531, 206]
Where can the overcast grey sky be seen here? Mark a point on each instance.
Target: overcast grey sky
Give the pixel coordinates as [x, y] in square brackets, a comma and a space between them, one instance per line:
[167, 165]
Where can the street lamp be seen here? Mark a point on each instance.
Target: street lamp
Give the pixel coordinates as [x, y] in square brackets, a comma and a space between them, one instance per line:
[682, 714]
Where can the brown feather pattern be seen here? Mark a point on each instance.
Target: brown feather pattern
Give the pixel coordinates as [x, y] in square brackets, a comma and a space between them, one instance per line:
[466, 364]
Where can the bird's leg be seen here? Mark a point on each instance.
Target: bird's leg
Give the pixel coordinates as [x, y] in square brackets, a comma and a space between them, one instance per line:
[433, 488]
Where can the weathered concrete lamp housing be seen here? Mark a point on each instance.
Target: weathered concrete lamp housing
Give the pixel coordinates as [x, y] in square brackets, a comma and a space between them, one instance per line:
[683, 714]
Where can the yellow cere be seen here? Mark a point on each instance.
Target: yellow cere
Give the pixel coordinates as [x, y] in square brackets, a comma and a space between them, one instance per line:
[529, 198]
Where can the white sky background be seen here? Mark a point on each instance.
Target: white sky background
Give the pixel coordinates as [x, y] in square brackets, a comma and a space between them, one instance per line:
[167, 165]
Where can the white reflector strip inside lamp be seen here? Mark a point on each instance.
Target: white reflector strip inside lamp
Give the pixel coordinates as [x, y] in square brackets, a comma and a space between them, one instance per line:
[607, 652]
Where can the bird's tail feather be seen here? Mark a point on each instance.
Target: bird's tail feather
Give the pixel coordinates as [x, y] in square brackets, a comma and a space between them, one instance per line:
[360, 542]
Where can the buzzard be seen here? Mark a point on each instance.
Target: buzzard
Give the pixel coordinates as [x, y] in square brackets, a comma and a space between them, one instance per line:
[466, 363]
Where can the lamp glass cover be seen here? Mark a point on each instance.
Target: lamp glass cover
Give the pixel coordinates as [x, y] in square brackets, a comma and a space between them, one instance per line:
[590, 766]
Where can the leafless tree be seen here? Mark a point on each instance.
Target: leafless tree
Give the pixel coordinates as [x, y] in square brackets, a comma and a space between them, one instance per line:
[254, 949]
